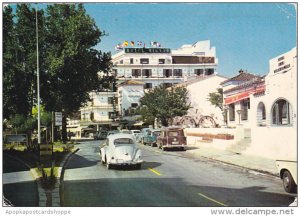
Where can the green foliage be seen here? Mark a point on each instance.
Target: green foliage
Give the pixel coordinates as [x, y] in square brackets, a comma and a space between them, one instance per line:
[68, 62]
[71, 60]
[165, 104]
[22, 124]
[216, 98]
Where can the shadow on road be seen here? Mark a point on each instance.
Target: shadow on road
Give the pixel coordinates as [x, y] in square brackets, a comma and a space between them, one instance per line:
[166, 192]
[78, 161]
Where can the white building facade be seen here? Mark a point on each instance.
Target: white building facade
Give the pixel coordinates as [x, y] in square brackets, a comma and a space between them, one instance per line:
[274, 111]
[129, 94]
[101, 111]
[163, 66]
[198, 93]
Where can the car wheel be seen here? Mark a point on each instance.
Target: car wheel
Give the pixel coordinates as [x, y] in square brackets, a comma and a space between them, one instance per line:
[108, 166]
[153, 144]
[288, 182]
[143, 142]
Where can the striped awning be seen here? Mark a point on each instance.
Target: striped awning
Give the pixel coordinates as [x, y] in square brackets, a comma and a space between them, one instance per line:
[236, 98]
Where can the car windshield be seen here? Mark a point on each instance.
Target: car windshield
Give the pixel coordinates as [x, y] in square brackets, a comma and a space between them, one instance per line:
[122, 141]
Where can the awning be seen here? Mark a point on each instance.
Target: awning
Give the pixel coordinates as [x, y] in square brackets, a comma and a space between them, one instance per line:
[236, 98]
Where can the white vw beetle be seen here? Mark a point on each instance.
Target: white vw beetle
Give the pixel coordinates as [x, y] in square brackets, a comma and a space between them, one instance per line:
[121, 149]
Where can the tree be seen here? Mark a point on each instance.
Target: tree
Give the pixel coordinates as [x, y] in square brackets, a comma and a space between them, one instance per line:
[19, 59]
[9, 68]
[72, 62]
[216, 98]
[165, 104]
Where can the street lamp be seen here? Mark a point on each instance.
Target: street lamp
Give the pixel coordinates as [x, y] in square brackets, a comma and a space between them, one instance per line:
[38, 75]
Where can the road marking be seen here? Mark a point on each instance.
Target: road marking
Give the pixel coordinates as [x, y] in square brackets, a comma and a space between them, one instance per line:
[154, 171]
[211, 199]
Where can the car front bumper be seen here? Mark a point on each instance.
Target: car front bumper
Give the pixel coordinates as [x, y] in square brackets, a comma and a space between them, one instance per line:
[124, 162]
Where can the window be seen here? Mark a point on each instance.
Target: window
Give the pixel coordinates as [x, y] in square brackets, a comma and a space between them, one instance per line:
[121, 62]
[111, 115]
[245, 105]
[144, 61]
[161, 61]
[167, 85]
[131, 60]
[167, 72]
[231, 112]
[147, 72]
[281, 113]
[198, 72]
[134, 105]
[261, 115]
[136, 72]
[110, 100]
[148, 85]
[122, 141]
[177, 72]
[209, 71]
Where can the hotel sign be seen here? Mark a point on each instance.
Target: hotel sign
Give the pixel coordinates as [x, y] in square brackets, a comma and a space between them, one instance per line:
[147, 50]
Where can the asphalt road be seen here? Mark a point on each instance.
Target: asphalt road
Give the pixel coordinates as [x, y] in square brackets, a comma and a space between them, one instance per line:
[166, 179]
[21, 193]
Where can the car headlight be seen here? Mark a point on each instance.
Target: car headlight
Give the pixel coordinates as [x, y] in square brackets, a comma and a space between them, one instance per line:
[138, 155]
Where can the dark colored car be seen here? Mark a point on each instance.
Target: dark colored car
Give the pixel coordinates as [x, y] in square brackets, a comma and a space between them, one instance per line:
[150, 137]
[170, 138]
[100, 135]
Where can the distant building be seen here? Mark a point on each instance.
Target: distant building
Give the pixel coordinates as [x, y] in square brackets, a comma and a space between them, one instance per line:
[101, 111]
[236, 92]
[163, 66]
[129, 94]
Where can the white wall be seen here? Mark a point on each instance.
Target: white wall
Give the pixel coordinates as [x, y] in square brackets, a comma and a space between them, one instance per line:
[273, 141]
[130, 94]
[198, 95]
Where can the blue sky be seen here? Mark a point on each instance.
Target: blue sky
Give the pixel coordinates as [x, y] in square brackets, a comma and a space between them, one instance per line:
[246, 35]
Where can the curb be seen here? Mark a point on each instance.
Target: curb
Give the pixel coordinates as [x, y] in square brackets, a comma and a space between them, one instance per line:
[58, 195]
[236, 165]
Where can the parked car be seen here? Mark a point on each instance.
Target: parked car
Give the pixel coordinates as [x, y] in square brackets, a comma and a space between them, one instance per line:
[151, 136]
[113, 132]
[136, 133]
[288, 173]
[102, 135]
[143, 133]
[171, 137]
[121, 149]
[125, 131]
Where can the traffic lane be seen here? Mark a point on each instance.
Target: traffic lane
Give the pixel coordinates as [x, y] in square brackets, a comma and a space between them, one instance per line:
[174, 184]
[94, 185]
[22, 194]
[217, 180]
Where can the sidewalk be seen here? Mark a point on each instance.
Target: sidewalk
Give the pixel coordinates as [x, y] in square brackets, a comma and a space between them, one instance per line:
[259, 164]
